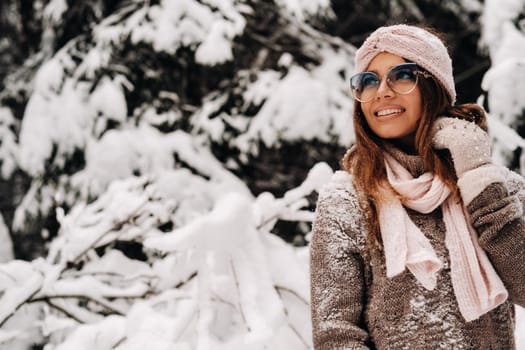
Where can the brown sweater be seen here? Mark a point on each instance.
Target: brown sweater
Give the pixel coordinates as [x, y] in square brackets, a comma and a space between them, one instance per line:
[355, 306]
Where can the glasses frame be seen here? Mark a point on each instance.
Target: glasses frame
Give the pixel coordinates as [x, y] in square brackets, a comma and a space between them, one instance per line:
[416, 69]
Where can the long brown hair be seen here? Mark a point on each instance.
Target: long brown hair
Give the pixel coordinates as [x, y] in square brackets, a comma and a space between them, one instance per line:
[365, 159]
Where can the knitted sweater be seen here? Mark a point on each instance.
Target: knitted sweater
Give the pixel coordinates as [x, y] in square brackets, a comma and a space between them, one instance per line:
[355, 306]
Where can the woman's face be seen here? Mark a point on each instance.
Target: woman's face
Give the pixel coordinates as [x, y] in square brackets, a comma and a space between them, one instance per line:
[390, 115]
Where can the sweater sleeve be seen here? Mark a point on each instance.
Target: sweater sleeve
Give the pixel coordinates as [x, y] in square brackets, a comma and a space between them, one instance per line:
[337, 275]
[496, 212]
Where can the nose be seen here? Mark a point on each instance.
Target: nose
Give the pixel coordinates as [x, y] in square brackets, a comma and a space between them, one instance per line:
[383, 90]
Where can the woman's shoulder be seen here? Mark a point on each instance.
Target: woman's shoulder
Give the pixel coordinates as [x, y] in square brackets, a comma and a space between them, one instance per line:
[339, 188]
[341, 181]
[339, 202]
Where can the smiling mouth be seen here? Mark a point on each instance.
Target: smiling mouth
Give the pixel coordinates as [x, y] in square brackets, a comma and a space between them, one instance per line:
[388, 112]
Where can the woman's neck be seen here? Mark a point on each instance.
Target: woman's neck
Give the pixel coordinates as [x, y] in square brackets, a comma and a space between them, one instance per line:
[412, 161]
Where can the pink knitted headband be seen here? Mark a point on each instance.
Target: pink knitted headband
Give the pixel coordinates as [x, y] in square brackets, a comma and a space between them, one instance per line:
[414, 44]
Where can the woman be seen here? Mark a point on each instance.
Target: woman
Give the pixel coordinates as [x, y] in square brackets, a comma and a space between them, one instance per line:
[420, 242]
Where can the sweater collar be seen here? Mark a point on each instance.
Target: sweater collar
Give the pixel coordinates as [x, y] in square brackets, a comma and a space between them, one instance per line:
[413, 163]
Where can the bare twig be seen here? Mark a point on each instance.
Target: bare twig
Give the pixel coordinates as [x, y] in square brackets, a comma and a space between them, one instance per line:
[119, 342]
[63, 310]
[99, 301]
[239, 296]
[18, 305]
[121, 277]
[292, 327]
[294, 293]
[182, 283]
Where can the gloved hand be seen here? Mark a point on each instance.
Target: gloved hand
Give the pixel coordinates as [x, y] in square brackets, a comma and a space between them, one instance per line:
[468, 144]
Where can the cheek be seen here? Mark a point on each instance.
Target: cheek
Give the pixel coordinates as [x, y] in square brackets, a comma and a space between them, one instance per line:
[417, 102]
[367, 112]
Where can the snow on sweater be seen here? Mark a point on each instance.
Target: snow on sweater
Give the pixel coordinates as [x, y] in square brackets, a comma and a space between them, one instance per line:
[355, 306]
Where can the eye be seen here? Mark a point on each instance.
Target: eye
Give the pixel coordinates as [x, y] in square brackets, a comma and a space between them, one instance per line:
[403, 74]
[369, 80]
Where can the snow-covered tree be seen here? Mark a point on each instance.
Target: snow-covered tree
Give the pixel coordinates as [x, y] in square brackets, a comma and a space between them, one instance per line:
[504, 37]
[154, 149]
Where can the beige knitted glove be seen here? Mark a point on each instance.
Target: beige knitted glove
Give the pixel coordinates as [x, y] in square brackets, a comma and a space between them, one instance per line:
[468, 144]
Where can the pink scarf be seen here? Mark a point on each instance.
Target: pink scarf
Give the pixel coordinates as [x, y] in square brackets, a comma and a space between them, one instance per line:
[477, 286]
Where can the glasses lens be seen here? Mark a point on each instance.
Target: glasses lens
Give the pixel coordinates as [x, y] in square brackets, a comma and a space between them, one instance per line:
[364, 86]
[402, 79]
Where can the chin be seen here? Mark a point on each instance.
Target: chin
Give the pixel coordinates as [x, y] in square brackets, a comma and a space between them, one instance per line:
[391, 136]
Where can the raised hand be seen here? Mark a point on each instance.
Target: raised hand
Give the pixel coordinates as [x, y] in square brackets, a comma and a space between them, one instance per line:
[468, 144]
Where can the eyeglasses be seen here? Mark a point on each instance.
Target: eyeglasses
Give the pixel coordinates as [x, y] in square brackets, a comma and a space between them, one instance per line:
[402, 79]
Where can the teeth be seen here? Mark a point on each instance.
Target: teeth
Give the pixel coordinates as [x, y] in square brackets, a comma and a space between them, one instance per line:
[388, 111]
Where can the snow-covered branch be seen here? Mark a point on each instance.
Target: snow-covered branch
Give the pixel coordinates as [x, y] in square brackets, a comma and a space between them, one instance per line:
[221, 268]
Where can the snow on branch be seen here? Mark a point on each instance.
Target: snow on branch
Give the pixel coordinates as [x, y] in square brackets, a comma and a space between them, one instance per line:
[216, 281]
